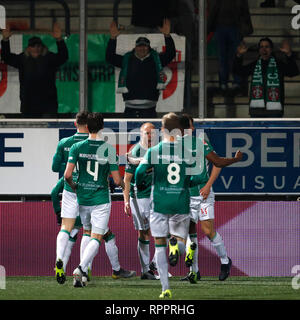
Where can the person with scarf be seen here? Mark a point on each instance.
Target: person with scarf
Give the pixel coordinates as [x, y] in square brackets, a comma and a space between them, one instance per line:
[141, 76]
[37, 68]
[267, 76]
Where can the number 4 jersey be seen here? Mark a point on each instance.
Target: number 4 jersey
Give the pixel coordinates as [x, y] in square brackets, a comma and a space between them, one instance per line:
[95, 160]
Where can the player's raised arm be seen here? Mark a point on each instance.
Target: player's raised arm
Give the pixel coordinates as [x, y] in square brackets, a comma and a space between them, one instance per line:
[7, 56]
[223, 162]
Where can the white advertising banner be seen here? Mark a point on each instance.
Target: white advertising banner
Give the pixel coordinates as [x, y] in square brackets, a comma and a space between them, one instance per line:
[170, 99]
[9, 80]
[26, 160]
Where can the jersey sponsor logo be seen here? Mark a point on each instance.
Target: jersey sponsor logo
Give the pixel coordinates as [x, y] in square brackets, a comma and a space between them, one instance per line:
[88, 156]
[170, 157]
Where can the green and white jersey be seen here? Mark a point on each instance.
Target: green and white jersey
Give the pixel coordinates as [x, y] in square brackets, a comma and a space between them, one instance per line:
[60, 158]
[138, 152]
[171, 177]
[200, 148]
[95, 160]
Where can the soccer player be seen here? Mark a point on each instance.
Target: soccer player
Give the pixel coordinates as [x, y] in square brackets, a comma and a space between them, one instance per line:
[96, 160]
[69, 209]
[56, 191]
[170, 192]
[109, 238]
[137, 203]
[55, 198]
[203, 199]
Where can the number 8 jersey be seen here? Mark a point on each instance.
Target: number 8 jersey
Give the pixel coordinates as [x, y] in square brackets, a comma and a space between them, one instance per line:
[95, 160]
[172, 177]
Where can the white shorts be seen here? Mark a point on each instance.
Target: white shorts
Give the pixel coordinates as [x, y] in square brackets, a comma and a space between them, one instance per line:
[95, 218]
[69, 205]
[140, 209]
[200, 209]
[162, 225]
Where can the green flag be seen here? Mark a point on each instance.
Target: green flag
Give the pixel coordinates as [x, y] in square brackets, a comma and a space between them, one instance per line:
[101, 77]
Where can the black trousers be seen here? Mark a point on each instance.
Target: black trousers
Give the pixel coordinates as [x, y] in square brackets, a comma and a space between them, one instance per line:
[140, 113]
[40, 115]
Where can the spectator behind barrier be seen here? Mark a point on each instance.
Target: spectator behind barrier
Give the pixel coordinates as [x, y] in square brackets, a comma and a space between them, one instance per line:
[147, 15]
[141, 76]
[37, 73]
[267, 97]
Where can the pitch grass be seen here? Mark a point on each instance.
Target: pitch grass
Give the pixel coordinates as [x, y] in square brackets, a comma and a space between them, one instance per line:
[106, 288]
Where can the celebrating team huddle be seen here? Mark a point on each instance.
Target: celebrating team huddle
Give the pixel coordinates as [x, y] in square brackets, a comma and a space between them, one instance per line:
[166, 189]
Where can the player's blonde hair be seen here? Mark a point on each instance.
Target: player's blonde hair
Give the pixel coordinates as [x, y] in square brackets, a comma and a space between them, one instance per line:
[147, 124]
[170, 121]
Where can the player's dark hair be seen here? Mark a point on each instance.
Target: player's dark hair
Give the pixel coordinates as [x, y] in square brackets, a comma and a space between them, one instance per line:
[190, 117]
[95, 122]
[170, 121]
[184, 121]
[81, 117]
